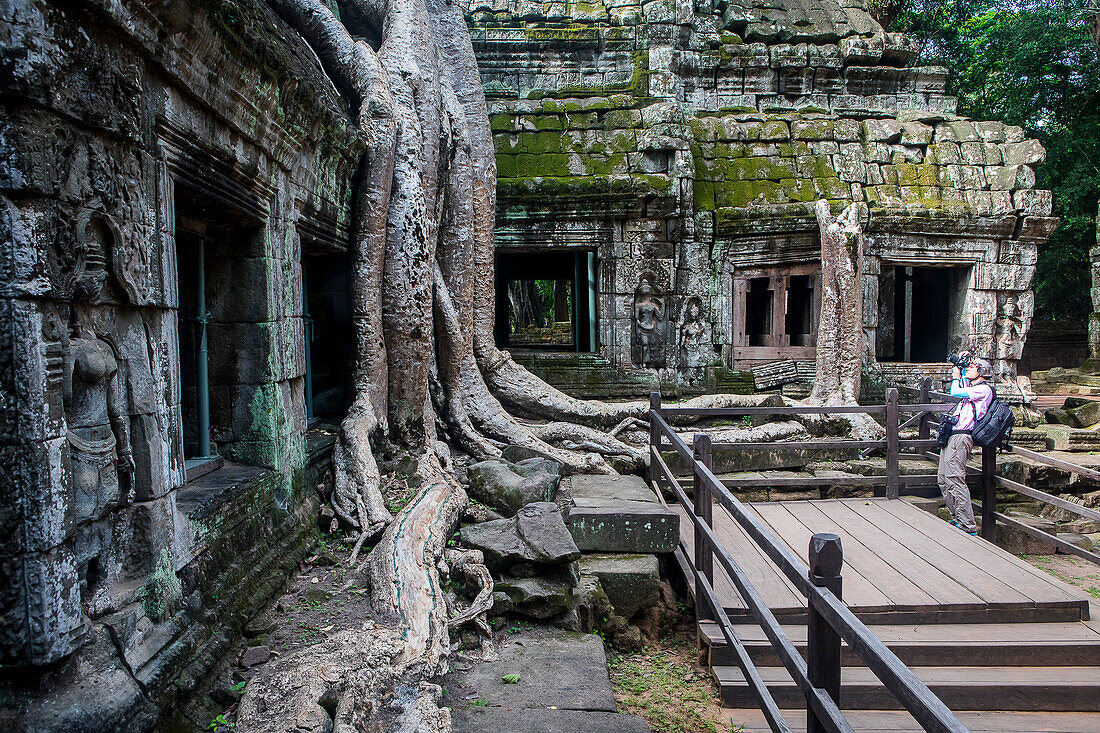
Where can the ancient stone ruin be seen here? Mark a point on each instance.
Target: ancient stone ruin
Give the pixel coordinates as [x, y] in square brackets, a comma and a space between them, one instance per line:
[175, 213]
[675, 151]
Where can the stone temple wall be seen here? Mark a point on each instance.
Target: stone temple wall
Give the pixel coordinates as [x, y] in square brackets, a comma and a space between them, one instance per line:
[685, 144]
[121, 125]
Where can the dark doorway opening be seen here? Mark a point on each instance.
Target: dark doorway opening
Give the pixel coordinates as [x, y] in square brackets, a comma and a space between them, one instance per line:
[915, 309]
[328, 334]
[546, 300]
[759, 310]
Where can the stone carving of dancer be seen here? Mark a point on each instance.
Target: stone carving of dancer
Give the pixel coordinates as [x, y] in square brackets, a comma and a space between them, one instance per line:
[649, 314]
[98, 423]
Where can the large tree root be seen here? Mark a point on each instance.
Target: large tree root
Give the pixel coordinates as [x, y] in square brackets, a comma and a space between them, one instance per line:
[425, 361]
[350, 682]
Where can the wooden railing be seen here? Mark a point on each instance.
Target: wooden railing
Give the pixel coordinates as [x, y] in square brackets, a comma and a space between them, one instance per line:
[830, 620]
[991, 482]
[892, 445]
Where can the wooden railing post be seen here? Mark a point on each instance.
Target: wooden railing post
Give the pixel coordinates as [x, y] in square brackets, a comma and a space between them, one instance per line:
[989, 493]
[654, 436]
[892, 447]
[823, 641]
[924, 399]
[704, 509]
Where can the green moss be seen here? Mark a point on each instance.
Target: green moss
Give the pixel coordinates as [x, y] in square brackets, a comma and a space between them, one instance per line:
[598, 165]
[548, 122]
[507, 166]
[532, 166]
[928, 175]
[163, 589]
[703, 194]
[586, 120]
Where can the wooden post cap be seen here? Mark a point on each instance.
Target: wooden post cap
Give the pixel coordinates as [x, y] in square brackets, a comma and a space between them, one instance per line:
[826, 555]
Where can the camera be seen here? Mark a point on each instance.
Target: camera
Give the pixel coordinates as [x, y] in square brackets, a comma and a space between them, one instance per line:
[962, 362]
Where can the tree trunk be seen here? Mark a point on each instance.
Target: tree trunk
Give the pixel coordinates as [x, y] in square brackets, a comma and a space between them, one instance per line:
[840, 336]
[840, 329]
[422, 270]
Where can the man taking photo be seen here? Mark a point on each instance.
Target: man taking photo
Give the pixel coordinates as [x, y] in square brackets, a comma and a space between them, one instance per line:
[977, 395]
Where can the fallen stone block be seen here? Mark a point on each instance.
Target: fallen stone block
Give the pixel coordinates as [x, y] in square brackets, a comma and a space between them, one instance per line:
[1076, 538]
[536, 534]
[1058, 514]
[541, 598]
[1019, 542]
[931, 505]
[507, 486]
[619, 514]
[631, 582]
[560, 669]
[474, 719]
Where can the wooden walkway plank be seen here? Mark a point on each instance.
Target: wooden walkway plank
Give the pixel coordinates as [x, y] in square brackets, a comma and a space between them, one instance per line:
[987, 558]
[899, 721]
[796, 527]
[773, 585]
[765, 577]
[1069, 689]
[953, 551]
[892, 575]
[722, 585]
[909, 558]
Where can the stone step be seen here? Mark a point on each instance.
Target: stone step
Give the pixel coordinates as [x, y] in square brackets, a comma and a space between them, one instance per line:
[940, 645]
[470, 719]
[619, 514]
[1059, 689]
[557, 669]
[563, 687]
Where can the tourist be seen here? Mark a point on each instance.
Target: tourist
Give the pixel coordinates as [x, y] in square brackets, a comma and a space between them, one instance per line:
[977, 396]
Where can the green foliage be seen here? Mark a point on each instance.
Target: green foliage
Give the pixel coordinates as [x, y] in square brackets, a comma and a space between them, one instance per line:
[220, 721]
[1030, 63]
[510, 679]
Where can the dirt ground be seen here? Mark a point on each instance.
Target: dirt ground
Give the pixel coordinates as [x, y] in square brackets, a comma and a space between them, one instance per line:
[1070, 569]
[666, 684]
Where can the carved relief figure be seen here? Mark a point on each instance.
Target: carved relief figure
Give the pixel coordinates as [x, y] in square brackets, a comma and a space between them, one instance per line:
[692, 332]
[1007, 342]
[649, 325]
[95, 404]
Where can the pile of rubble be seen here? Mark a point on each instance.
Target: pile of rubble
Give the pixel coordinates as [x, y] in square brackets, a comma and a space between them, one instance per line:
[578, 552]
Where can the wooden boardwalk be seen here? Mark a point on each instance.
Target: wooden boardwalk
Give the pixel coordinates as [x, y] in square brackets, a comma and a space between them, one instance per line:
[901, 565]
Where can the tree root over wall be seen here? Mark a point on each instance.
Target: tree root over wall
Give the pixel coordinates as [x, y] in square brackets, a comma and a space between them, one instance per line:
[426, 368]
[422, 259]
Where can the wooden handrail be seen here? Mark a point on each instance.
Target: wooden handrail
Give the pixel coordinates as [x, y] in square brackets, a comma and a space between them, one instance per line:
[913, 694]
[796, 410]
[785, 649]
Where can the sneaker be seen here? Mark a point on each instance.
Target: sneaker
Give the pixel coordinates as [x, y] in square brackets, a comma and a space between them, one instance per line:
[954, 523]
[972, 534]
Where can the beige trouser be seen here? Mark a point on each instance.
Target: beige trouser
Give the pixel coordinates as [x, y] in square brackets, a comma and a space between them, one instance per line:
[952, 479]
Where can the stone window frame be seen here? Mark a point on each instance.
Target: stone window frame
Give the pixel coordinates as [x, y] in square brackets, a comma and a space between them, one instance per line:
[780, 346]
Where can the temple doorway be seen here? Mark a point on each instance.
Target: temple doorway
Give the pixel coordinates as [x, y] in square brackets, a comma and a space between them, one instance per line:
[546, 300]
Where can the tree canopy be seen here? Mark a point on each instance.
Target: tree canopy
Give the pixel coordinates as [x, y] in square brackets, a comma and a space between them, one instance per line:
[1030, 63]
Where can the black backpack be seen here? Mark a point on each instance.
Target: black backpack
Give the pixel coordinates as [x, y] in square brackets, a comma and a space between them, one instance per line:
[994, 429]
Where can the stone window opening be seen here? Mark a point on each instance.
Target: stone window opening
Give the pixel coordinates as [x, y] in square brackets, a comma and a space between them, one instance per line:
[775, 313]
[546, 300]
[916, 306]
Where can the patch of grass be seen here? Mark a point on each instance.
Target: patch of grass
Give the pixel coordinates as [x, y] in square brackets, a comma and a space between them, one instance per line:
[666, 688]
